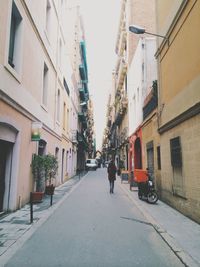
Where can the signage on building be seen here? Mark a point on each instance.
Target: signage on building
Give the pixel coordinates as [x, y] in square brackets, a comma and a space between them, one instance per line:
[36, 131]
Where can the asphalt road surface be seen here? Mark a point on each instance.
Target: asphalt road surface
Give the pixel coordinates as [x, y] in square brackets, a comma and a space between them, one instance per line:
[93, 228]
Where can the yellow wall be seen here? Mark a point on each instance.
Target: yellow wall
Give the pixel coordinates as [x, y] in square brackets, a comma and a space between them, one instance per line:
[189, 132]
[150, 133]
[179, 83]
[180, 64]
[167, 10]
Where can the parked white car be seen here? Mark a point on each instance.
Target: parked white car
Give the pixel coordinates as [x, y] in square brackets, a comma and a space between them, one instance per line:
[91, 164]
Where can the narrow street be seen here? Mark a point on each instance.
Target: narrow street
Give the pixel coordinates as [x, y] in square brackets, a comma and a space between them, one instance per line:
[94, 228]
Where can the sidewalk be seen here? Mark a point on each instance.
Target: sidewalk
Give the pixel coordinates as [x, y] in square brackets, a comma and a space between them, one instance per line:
[178, 231]
[13, 226]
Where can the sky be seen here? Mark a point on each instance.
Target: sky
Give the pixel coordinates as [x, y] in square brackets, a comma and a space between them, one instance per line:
[101, 21]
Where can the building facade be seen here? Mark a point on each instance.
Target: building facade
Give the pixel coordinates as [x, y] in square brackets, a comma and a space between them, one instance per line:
[124, 126]
[179, 102]
[142, 95]
[38, 95]
[120, 123]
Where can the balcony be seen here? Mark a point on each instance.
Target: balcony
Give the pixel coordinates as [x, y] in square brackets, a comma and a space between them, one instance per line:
[82, 94]
[108, 123]
[121, 74]
[83, 53]
[84, 123]
[82, 140]
[121, 110]
[81, 116]
[124, 103]
[73, 136]
[83, 73]
[122, 43]
[151, 101]
[123, 136]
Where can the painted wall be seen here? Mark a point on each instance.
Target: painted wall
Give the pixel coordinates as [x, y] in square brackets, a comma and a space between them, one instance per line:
[21, 89]
[180, 78]
[141, 74]
[141, 13]
[179, 81]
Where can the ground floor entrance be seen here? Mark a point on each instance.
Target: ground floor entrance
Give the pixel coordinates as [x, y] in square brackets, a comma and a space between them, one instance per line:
[5, 173]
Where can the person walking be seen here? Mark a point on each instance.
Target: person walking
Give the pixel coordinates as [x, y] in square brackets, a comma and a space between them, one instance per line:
[111, 175]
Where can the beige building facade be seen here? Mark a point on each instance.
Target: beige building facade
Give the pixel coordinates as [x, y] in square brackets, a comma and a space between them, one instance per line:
[179, 104]
[142, 13]
[38, 94]
[120, 126]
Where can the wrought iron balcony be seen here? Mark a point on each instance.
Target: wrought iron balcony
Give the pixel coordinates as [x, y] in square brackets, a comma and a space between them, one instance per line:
[73, 136]
[151, 101]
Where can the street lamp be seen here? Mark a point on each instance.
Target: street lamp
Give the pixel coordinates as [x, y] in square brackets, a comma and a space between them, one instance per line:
[139, 30]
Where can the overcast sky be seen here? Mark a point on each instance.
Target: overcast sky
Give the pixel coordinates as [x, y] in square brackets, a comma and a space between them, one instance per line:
[101, 20]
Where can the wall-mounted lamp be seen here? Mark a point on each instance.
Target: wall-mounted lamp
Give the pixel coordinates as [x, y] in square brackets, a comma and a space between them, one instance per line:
[139, 30]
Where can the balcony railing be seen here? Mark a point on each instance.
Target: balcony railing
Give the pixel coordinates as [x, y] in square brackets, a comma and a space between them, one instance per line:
[73, 136]
[121, 74]
[151, 101]
[121, 110]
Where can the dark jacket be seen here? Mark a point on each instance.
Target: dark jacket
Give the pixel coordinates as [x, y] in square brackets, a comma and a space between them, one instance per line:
[112, 171]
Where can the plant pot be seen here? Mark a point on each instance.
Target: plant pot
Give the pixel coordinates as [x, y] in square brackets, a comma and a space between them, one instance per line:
[36, 197]
[49, 190]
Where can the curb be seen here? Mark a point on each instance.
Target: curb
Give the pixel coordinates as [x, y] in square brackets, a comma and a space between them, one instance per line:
[4, 258]
[184, 257]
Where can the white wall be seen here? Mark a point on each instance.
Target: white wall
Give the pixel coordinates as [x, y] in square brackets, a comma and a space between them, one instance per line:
[135, 85]
[141, 74]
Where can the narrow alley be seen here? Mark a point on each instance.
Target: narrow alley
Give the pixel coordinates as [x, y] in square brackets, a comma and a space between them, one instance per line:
[103, 229]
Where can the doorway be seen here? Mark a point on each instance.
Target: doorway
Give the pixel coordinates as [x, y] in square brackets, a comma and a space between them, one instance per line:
[137, 154]
[5, 170]
[150, 158]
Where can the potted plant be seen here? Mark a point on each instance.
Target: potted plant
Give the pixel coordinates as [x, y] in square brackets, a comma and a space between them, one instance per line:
[38, 171]
[51, 167]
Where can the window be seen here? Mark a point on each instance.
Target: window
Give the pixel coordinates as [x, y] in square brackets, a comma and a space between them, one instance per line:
[45, 85]
[150, 157]
[126, 83]
[15, 38]
[176, 155]
[158, 158]
[176, 161]
[42, 147]
[67, 119]
[57, 152]
[48, 16]
[64, 115]
[58, 106]
[66, 86]
[60, 54]
[138, 94]
[67, 155]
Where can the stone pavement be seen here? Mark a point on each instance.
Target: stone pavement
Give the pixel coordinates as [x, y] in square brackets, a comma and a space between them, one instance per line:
[13, 226]
[179, 232]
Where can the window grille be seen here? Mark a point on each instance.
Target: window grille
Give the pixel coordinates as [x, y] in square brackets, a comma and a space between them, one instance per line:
[176, 154]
